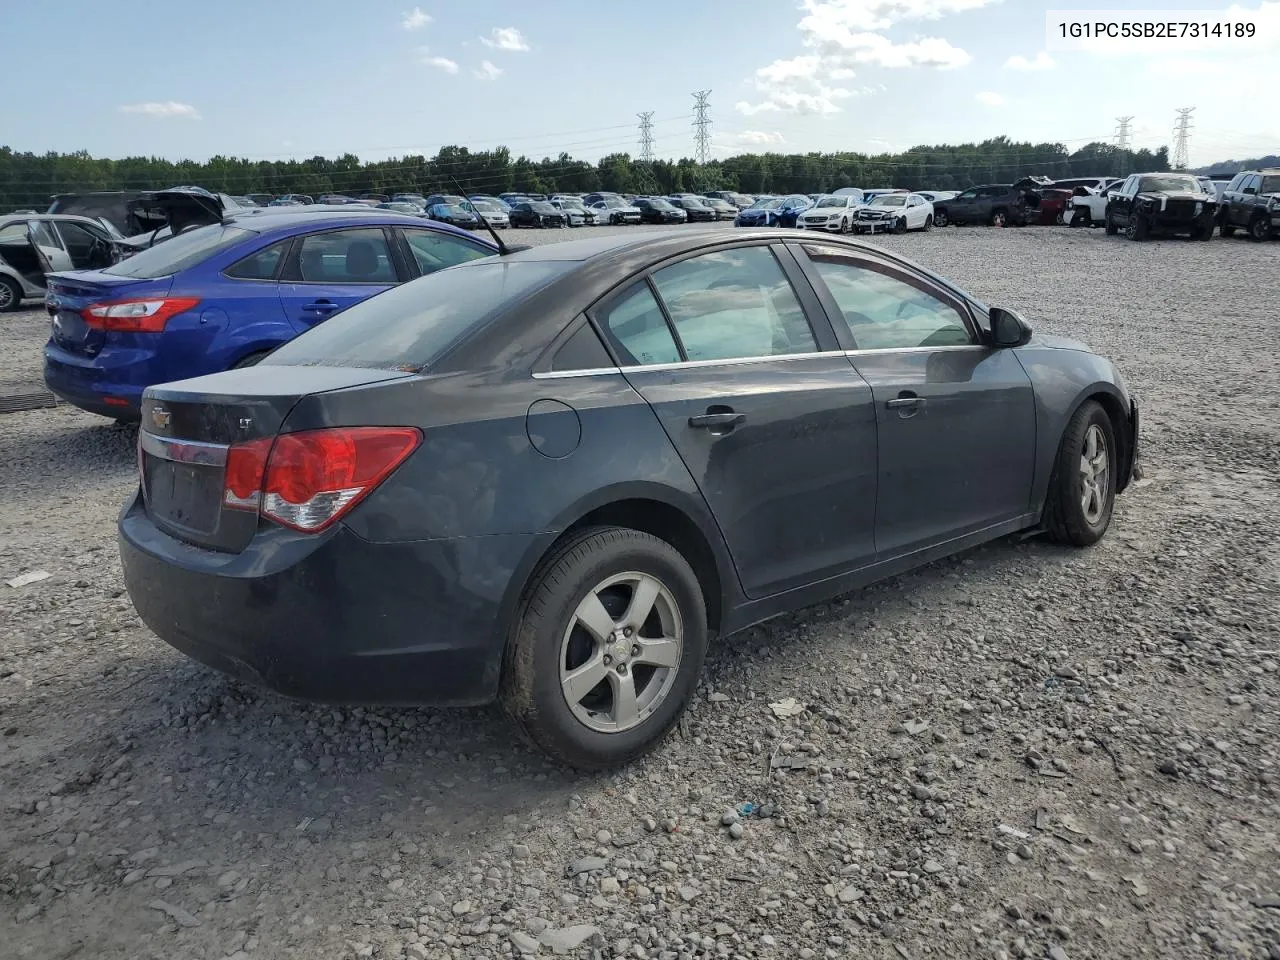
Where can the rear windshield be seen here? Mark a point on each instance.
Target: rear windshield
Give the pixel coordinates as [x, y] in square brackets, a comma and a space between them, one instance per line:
[180, 252]
[412, 325]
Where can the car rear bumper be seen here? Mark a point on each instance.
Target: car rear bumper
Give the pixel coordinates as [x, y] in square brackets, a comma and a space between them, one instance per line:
[331, 617]
[108, 385]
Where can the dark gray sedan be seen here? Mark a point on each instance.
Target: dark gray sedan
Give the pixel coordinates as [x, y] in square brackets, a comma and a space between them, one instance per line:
[550, 477]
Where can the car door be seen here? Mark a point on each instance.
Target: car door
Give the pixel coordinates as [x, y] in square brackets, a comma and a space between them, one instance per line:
[47, 246]
[1248, 199]
[329, 270]
[764, 410]
[960, 207]
[88, 246]
[1119, 206]
[915, 212]
[956, 419]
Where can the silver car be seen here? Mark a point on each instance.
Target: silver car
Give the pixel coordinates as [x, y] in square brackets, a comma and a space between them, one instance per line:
[489, 211]
[33, 245]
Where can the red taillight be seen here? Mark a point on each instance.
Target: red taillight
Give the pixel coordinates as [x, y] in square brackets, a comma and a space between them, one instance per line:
[308, 480]
[148, 315]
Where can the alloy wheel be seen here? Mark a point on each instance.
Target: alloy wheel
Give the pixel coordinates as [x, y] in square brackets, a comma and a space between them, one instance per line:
[1095, 464]
[1260, 229]
[997, 220]
[621, 652]
[6, 296]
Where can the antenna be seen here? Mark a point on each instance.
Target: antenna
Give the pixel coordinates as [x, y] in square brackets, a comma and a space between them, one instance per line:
[1181, 134]
[1122, 143]
[702, 124]
[503, 249]
[646, 136]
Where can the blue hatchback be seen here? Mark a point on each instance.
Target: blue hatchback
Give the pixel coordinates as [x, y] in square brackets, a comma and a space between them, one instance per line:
[225, 295]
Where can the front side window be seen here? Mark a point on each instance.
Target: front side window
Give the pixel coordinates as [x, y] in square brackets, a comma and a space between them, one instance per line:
[883, 310]
[346, 256]
[967, 195]
[734, 304]
[433, 250]
[638, 330]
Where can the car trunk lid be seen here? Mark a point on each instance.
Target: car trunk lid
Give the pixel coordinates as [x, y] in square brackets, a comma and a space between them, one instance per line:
[190, 427]
[70, 294]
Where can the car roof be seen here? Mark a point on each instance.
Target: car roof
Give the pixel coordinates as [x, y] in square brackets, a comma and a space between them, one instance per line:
[272, 219]
[8, 218]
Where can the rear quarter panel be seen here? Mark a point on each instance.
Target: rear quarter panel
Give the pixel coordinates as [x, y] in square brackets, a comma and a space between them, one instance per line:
[1062, 380]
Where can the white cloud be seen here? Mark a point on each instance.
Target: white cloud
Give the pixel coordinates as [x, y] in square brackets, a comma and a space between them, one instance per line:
[165, 108]
[487, 71]
[1041, 61]
[990, 98]
[751, 138]
[415, 19]
[843, 35]
[505, 38]
[441, 63]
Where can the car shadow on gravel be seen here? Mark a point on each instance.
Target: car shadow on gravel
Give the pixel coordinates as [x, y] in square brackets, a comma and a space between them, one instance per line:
[81, 445]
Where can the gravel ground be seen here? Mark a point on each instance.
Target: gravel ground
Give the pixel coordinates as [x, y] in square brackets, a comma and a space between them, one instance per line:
[1027, 751]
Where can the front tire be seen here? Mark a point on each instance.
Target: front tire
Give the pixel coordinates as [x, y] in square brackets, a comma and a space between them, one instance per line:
[1260, 229]
[1082, 489]
[999, 218]
[940, 218]
[606, 648]
[1137, 228]
[928, 223]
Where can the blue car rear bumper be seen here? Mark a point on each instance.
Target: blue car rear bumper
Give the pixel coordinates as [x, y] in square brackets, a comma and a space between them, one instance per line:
[111, 386]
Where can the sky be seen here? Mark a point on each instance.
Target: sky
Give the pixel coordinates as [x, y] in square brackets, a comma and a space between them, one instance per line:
[271, 79]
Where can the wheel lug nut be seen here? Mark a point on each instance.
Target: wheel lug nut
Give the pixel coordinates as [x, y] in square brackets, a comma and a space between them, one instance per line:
[607, 659]
[627, 631]
[622, 668]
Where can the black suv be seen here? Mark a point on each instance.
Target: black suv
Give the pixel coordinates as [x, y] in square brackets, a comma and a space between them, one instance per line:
[997, 204]
[1149, 203]
[1251, 201]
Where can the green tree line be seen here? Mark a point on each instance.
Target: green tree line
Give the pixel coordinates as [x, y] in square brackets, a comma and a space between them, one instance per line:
[29, 180]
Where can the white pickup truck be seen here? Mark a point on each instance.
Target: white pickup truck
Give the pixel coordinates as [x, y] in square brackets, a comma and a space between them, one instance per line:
[1089, 200]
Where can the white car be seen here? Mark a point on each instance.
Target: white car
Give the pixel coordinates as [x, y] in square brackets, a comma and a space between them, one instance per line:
[835, 214]
[1089, 200]
[489, 211]
[896, 213]
[613, 212]
[575, 210]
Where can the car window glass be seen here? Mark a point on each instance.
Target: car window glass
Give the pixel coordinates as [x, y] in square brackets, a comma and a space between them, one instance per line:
[1270, 184]
[261, 265]
[883, 310]
[43, 234]
[967, 195]
[14, 232]
[582, 351]
[734, 303]
[433, 250]
[183, 251]
[1252, 182]
[76, 234]
[346, 256]
[638, 330]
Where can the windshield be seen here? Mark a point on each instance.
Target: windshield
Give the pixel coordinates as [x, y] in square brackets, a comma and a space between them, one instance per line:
[412, 325]
[1169, 184]
[485, 206]
[540, 206]
[889, 200]
[832, 202]
[660, 205]
[767, 204]
[185, 250]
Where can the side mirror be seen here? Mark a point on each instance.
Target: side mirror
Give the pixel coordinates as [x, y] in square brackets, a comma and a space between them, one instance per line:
[1008, 329]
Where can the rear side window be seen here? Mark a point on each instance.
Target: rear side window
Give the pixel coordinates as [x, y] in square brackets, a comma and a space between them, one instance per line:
[639, 331]
[434, 250]
[582, 351]
[732, 304]
[346, 256]
[262, 265]
[414, 324]
[180, 252]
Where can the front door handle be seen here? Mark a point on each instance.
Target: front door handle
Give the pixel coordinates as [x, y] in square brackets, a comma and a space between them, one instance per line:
[718, 420]
[900, 403]
[321, 306]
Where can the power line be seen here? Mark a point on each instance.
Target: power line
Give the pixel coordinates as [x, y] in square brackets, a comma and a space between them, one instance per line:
[1181, 134]
[702, 125]
[646, 136]
[1123, 139]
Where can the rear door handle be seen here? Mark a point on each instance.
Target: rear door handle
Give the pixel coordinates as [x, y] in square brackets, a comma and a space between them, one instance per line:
[321, 306]
[718, 420]
[899, 403]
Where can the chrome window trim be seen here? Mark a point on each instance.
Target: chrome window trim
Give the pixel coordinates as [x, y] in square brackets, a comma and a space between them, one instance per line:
[184, 451]
[734, 361]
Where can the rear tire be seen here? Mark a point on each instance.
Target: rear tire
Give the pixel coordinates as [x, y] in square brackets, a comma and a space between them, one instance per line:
[999, 218]
[1112, 229]
[1086, 465]
[549, 643]
[940, 218]
[10, 295]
